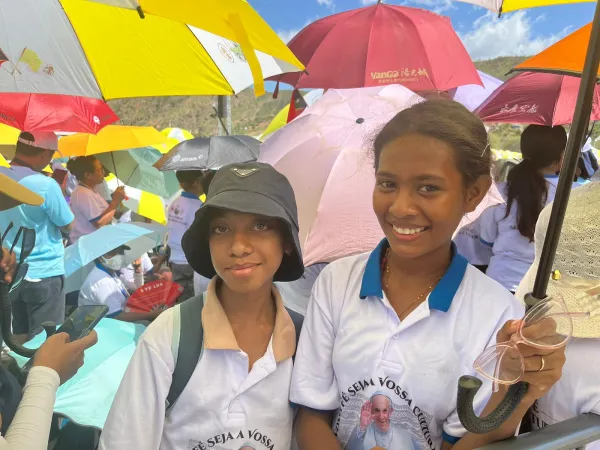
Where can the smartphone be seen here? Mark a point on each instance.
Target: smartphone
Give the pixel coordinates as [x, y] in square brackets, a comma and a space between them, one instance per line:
[78, 325]
[82, 321]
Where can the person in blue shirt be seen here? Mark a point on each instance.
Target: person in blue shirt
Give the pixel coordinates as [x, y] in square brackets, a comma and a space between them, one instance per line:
[39, 298]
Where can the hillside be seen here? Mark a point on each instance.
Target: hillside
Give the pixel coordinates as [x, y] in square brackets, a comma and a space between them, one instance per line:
[250, 115]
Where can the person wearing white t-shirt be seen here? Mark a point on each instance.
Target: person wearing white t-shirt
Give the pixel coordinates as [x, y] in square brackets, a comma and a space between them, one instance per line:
[577, 260]
[91, 211]
[134, 274]
[103, 286]
[243, 238]
[410, 318]
[180, 217]
[508, 228]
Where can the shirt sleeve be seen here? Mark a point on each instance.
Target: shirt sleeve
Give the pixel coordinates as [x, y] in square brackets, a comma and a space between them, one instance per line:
[313, 380]
[488, 226]
[143, 392]
[90, 206]
[30, 427]
[56, 207]
[452, 428]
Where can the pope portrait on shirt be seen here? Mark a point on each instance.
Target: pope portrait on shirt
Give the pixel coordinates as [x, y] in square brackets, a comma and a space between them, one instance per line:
[376, 431]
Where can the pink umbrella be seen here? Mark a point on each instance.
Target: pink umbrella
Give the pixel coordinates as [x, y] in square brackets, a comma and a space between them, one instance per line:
[473, 95]
[536, 98]
[54, 112]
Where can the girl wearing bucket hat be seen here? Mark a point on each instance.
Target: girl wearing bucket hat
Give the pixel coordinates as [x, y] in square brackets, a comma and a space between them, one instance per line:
[244, 238]
[578, 263]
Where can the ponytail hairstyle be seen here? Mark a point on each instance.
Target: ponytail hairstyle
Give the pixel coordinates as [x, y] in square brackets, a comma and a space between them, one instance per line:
[541, 147]
[81, 165]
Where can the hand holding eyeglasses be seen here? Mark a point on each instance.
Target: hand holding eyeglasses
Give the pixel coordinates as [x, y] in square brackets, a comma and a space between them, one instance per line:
[539, 367]
[532, 349]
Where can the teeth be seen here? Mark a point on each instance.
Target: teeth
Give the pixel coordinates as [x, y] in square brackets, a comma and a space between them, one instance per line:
[408, 230]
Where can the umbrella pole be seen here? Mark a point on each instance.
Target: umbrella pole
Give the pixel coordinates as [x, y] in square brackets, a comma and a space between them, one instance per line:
[112, 157]
[583, 111]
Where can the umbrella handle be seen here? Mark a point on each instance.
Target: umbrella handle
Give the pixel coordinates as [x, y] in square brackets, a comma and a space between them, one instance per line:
[6, 325]
[468, 386]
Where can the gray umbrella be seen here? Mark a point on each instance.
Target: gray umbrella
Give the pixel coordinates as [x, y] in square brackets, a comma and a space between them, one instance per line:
[210, 153]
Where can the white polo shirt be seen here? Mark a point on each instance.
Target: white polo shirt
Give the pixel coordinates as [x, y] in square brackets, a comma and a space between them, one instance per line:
[87, 206]
[102, 287]
[223, 406]
[578, 390]
[354, 348]
[180, 217]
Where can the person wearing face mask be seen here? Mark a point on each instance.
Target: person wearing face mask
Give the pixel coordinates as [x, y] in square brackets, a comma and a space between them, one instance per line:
[103, 286]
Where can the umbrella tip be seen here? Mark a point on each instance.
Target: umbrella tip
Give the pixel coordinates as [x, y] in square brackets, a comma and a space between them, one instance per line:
[140, 11]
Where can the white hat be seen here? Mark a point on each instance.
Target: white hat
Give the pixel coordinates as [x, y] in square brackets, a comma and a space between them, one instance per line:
[577, 258]
[45, 140]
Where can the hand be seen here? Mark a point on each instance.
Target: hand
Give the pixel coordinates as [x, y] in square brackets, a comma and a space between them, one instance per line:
[119, 195]
[137, 265]
[540, 381]
[366, 417]
[8, 265]
[63, 356]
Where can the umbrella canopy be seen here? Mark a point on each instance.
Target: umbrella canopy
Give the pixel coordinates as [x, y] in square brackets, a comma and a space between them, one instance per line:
[177, 133]
[324, 155]
[378, 45]
[86, 398]
[87, 49]
[282, 116]
[105, 239]
[8, 140]
[136, 168]
[44, 112]
[474, 95]
[144, 203]
[566, 57]
[109, 139]
[210, 153]
[536, 98]
[503, 6]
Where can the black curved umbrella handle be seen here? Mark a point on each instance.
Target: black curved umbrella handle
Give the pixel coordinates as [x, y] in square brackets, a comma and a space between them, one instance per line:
[468, 387]
[5, 324]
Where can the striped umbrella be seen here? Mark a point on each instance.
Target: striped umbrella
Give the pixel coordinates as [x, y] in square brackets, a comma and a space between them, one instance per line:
[88, 49]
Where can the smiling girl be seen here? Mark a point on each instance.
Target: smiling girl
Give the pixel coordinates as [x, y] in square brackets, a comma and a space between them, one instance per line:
[404, 322]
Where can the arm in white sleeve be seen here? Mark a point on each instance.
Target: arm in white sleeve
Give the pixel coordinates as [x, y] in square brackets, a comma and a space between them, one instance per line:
[30, 427]
[138, 279]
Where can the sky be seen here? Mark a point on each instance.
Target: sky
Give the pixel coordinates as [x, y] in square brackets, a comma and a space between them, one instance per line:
[520, 33]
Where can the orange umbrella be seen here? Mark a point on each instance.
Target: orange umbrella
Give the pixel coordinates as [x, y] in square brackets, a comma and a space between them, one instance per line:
[566, 57]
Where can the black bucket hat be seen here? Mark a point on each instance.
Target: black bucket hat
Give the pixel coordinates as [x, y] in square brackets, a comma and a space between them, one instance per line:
[252, 188]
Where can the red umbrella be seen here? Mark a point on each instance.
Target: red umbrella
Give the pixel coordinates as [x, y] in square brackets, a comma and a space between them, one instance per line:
[381, 44]
[536, 98]
[50, 112]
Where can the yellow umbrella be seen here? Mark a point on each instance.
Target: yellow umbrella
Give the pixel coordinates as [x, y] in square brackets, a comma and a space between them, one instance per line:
[235, 20]
[89, 49]
[504, 6]
[3, 161]
[141, 202]
[110, 138]
[8, 140]
[279, 121]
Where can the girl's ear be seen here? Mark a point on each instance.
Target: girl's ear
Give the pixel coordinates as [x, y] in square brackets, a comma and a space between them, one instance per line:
[476, 192]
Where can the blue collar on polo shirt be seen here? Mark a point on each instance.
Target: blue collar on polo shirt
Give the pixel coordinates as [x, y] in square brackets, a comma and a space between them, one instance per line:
[440, 298]
[189, 195]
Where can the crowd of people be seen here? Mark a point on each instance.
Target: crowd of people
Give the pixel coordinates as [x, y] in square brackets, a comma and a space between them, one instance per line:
[386, 334]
